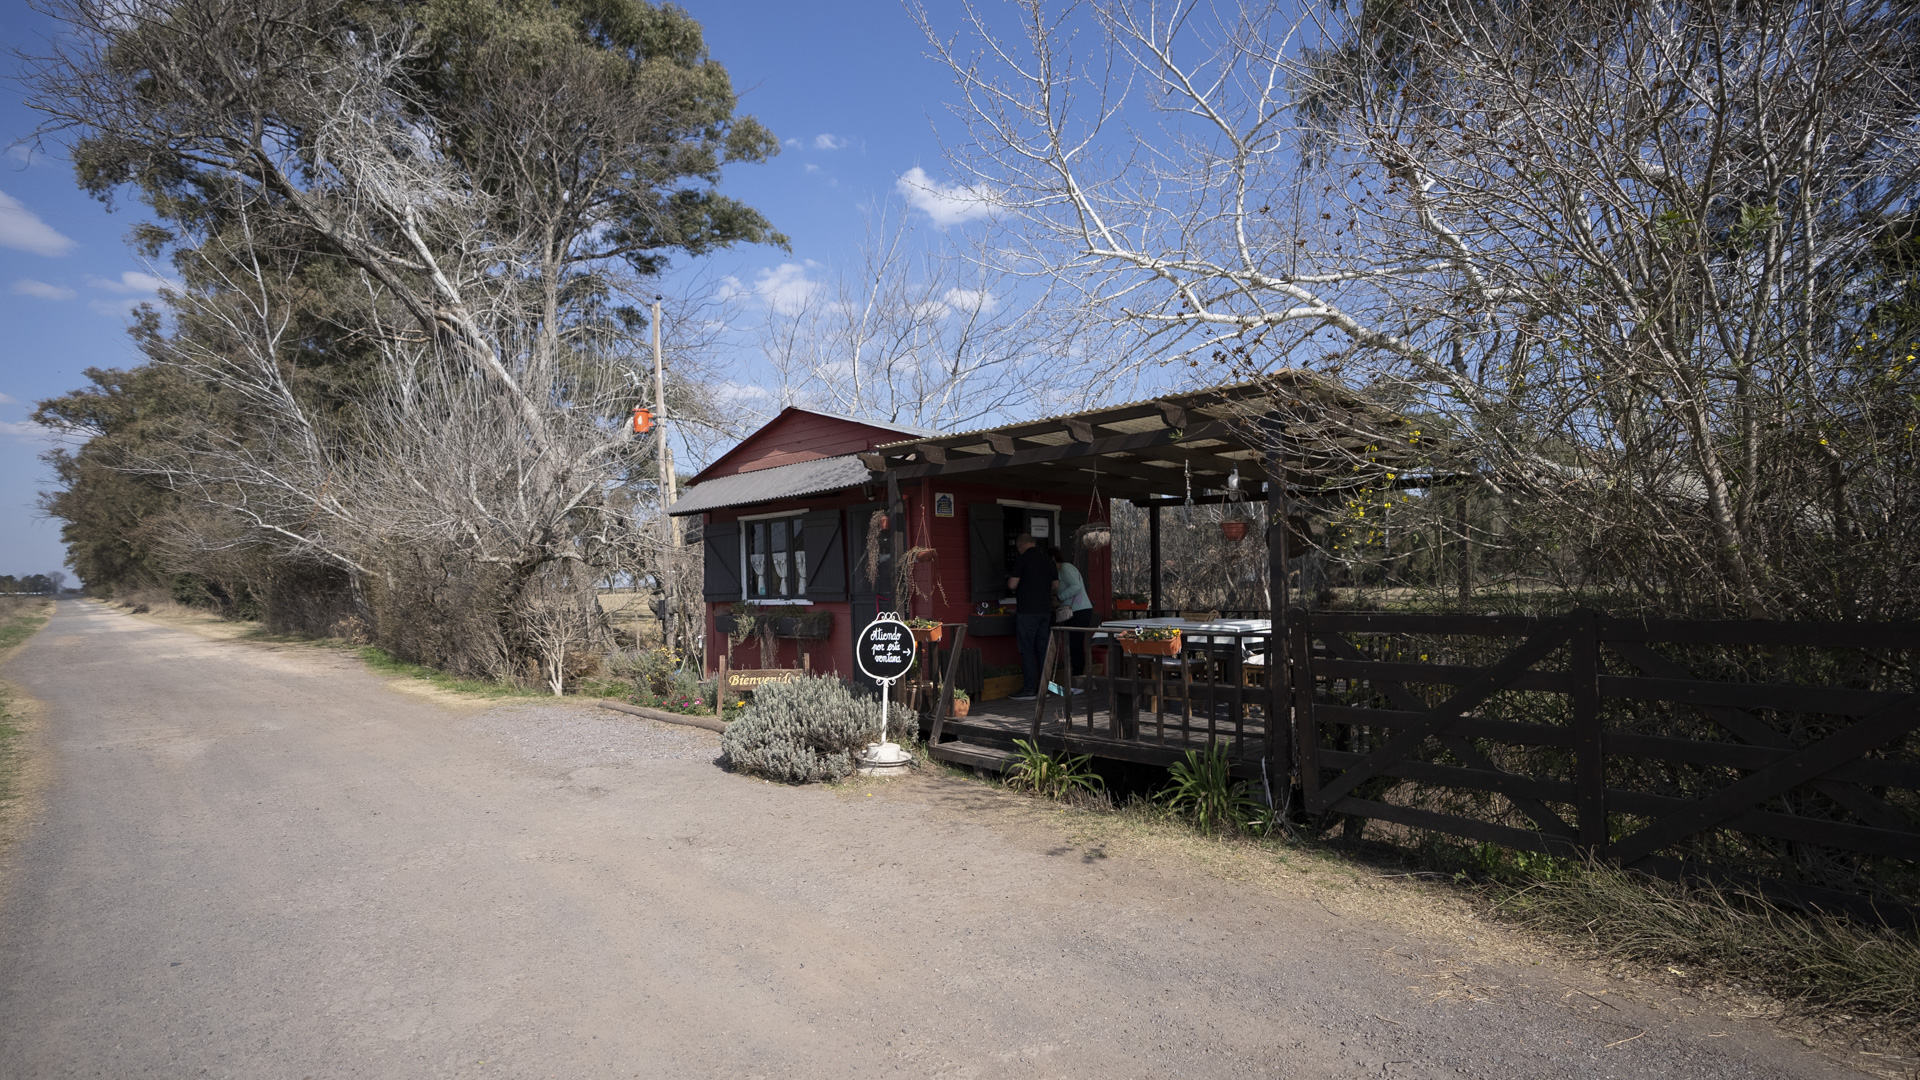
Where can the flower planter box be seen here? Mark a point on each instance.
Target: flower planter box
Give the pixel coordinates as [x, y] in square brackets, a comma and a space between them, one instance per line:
[989, 625]
[1169, 647]
[1000, 686]
[926, 634]
[1129, 605]
[812, 627]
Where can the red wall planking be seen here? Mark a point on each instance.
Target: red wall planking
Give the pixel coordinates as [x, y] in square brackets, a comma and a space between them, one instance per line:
[798, 435]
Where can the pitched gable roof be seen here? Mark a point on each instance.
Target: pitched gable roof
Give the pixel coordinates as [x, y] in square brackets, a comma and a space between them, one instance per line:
[797, 435]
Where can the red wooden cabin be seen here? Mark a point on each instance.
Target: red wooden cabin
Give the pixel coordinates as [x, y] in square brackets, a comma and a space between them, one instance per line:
[785, 516]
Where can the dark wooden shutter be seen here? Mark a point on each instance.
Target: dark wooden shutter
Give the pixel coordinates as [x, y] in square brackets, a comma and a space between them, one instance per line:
[722, 540]
[826, 548]
[987, 543]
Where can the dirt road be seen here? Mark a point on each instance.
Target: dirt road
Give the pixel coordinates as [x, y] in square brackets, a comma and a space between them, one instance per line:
[262, 862]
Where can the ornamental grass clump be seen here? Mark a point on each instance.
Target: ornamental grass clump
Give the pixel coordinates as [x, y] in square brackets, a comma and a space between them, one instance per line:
[802, 732]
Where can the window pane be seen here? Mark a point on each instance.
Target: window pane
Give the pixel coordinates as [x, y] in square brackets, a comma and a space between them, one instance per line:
[799, 556]
[757, 557]
[778, 554]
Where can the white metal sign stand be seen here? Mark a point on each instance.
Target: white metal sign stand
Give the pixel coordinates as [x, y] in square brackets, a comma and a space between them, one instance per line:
[885, 650]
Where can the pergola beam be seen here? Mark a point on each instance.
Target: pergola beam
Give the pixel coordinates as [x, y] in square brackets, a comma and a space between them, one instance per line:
[1137, 441]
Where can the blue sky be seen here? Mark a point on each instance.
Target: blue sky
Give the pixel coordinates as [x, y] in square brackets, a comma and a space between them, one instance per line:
[845, 85]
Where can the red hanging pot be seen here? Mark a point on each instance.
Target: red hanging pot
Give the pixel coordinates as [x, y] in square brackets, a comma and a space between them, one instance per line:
[1234, 530]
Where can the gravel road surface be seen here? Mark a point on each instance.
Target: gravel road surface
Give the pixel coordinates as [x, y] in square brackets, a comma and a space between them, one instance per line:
[262, 861]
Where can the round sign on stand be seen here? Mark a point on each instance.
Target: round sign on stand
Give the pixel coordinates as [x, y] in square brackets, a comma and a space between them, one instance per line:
[885, 651]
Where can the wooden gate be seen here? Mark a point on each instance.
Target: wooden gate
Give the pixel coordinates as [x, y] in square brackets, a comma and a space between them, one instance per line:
[1586, 734]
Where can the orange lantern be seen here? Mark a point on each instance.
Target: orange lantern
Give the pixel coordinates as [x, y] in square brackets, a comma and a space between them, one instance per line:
[642, 421]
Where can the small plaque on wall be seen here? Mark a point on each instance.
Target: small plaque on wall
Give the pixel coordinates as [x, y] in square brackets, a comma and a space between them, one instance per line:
[943, 505]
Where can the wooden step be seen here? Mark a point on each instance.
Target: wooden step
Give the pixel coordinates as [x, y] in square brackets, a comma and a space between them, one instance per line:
[966, 753]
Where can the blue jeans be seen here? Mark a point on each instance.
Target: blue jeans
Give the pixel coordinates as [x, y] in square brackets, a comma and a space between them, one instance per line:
[1030, 635]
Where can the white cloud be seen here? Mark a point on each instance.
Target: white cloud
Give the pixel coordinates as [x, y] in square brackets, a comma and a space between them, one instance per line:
[5, 400]
[978, 300]
[791, 144]
[30, 287]
[810, 167]
[132, 288]
[739, 393]
[946, 204]
[786, 288]
[22, 228]
[824, 141]
[33, 434]
[132, 282]
[730, 287]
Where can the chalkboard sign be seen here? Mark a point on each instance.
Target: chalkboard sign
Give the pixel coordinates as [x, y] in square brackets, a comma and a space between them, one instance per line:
[884, 649]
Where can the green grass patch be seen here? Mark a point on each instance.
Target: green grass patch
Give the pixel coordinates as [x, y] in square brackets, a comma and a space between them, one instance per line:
[386, 663]
[18, 621]
[19, 618]
[9, 749]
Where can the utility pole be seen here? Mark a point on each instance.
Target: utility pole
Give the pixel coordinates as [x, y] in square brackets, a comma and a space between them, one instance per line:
[670, 526]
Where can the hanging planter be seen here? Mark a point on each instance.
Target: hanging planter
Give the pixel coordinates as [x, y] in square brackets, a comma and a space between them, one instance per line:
[1095, 534]
[1234, 530]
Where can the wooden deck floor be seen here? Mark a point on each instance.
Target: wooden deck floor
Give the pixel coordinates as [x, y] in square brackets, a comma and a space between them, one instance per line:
[1155, 738]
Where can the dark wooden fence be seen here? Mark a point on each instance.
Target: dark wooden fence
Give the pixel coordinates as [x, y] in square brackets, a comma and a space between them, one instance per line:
[1781, 754]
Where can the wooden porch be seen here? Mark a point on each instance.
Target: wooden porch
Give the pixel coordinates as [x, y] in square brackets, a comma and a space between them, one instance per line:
[1149, 710]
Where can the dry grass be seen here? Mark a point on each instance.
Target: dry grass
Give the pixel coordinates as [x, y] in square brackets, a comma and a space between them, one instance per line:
[1817, 962]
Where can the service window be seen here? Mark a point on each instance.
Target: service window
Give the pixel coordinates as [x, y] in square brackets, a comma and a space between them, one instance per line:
[775, 558]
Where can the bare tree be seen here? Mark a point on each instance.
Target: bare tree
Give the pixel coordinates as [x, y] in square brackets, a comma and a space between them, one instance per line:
[925, 331]
[1630, 259]
[458, 212]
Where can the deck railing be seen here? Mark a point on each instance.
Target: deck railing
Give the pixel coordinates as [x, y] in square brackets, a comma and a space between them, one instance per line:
[1213, 691]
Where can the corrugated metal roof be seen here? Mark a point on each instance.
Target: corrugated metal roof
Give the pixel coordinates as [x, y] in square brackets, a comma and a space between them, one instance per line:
[766, 485]
[1216, 396]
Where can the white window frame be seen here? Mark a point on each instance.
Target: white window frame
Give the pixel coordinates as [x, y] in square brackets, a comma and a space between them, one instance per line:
[746, 575]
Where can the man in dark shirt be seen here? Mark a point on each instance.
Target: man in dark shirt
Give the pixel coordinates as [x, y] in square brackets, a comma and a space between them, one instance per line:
[1031, 578]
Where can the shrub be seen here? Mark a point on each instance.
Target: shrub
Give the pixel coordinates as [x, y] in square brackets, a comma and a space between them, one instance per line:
[1204, 789]
[1042, 773]
[802, 732]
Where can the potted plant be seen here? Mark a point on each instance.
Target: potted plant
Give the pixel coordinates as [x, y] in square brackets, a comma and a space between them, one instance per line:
[1150, 641]
[1129, 601]
[962, 704]
[925, 631]
[1234, 530]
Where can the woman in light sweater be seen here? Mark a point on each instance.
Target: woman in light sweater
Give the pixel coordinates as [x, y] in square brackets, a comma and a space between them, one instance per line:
[1070, 590]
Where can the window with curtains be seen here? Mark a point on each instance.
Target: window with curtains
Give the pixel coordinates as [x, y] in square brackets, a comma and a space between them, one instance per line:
[776, 558]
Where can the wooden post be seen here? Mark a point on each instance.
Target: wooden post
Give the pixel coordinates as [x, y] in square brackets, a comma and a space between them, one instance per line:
[669, 585]
[1280, 673]
[945, 705]
[1040, 701]
[720, 687]
[1153, 558]
[897, 526]
[1306, 735]
[1466, 547]
[1588, 752]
